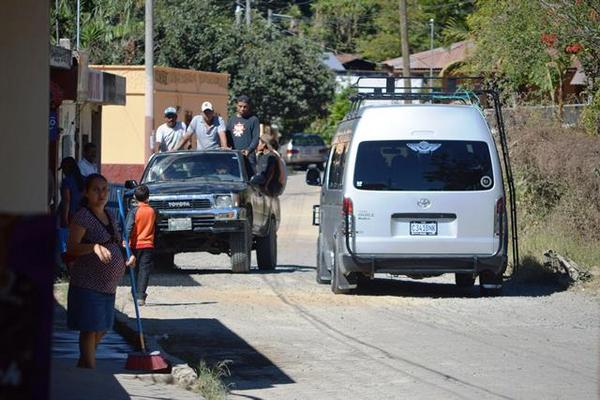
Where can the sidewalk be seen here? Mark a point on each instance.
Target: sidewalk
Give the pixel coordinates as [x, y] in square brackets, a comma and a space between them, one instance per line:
[109, 380]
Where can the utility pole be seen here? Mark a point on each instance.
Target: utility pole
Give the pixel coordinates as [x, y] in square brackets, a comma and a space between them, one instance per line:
[405, 50]
[269, 16]
[149, 70]
[248, 13]
[77, 43]
[431, 21]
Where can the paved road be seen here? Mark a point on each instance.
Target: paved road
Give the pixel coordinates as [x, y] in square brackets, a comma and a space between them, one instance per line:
[290, 338]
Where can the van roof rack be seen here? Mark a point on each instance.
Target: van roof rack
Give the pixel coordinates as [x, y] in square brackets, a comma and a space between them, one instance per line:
[470, 90]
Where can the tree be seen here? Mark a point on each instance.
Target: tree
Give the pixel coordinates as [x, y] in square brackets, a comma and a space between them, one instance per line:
[110, 30]
[284, 76]
[338, 24]
[520, 42]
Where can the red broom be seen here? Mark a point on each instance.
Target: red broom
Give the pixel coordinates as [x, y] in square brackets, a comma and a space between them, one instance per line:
[139, 361]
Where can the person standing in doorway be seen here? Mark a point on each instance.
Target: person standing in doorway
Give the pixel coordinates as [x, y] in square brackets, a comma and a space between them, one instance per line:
[170, 133]
[87, 165]
[243, 130]
[140, 229]
[208, 129]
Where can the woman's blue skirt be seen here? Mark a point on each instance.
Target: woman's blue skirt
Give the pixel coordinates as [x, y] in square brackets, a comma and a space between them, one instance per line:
[90, 310]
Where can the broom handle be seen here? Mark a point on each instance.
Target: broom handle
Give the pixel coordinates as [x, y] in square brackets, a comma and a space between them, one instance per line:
[131, 275]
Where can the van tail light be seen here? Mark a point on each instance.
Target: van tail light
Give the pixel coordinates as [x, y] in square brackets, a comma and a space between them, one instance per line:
[500, 208]
[293, 151]
[347, 208]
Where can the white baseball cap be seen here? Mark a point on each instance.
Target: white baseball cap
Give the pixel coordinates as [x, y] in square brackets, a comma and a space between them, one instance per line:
[207, 105]
[170, 110]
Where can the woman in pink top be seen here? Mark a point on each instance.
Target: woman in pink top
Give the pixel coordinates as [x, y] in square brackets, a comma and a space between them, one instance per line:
[97, 270]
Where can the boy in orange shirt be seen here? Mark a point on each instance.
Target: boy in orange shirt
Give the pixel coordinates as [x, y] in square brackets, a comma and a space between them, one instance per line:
[140, 226]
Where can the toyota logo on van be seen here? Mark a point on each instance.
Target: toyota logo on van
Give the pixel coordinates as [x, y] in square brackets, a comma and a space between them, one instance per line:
[179, 204]
[424, 203]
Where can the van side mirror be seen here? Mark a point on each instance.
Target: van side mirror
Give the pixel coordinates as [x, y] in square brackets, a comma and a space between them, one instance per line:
[131, 184]
[313, 177]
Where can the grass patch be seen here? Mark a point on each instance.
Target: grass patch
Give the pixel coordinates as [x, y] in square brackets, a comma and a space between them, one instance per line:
[209, 383]
[533, 244]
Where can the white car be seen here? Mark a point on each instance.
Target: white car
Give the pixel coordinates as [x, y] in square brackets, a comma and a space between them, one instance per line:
[412, 189]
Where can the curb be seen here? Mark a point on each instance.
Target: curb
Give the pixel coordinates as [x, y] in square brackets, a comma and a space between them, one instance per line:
[181, 373]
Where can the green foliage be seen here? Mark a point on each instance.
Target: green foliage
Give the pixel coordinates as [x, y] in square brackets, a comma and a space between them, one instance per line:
[283, 75]
[111, 30]
[337, 111]
[372, 27]
[210, 380]
[510, 40]
[339, 23]
[590, 118]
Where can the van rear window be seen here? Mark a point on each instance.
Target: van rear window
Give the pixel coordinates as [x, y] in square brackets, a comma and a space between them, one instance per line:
[435, 165]
[309, 140]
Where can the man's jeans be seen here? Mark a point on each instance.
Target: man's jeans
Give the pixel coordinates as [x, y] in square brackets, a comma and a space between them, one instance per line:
[143, 268]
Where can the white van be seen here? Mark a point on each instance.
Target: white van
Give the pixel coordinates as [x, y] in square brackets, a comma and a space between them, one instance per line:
[412, 189]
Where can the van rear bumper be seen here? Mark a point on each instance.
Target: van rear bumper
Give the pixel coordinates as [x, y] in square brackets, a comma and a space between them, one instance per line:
[418, 264]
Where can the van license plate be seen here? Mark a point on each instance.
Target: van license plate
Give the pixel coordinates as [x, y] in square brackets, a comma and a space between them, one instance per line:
[180, 224]
[428, 228]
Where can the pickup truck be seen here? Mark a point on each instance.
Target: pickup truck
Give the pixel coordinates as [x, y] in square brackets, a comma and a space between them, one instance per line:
[204, 202]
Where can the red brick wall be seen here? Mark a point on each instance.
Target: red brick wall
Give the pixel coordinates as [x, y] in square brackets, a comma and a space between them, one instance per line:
[119, 173]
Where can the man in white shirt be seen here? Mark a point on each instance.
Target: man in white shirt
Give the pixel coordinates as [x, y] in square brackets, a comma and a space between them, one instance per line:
[87, 165]
[169, 134]
[208, 128]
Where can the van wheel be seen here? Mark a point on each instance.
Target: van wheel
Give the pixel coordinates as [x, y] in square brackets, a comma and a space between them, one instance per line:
[464, 280]
[240, 244]
[490, 284]
[164, 261]
[266, 249]
[323, 275]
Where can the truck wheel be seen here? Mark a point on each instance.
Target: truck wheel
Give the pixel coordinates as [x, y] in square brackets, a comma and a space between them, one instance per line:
[323, 275]
[241, 245]
[464, 280]
[266, 249]
[164, 261]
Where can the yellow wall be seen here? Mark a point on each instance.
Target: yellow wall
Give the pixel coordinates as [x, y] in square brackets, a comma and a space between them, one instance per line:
[123, 140]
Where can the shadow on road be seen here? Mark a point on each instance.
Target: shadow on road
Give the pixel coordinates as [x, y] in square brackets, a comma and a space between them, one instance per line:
[195, 339]
[412, 288]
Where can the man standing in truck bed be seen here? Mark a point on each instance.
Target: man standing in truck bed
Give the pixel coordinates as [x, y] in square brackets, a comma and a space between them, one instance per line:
[243, 130]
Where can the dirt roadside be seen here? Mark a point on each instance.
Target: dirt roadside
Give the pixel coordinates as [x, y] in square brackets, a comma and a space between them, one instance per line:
[289, 338]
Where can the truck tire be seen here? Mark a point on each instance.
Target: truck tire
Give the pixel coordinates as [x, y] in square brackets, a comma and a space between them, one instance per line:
[266, 248]
[323, 275]
[164, 261]
[464, 280]
[240, 244]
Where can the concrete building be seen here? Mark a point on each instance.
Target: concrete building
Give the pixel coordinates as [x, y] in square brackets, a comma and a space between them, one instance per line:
[125, 149]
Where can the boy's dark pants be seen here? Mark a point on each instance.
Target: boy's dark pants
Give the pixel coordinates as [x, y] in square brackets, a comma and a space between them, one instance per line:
[144, 266]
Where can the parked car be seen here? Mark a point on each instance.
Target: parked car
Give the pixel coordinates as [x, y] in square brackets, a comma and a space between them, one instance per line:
[205, 202]
[421, 193]
[304, 149]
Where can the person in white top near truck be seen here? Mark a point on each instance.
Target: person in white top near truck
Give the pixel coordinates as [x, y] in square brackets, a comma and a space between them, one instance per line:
[209, 130]
[169, 134]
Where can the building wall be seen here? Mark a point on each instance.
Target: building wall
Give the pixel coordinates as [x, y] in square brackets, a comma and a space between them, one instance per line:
[124, 146]
[24, 106]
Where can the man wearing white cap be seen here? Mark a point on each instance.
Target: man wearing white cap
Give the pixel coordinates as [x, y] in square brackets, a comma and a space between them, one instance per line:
[169, 134]
[208, 128]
